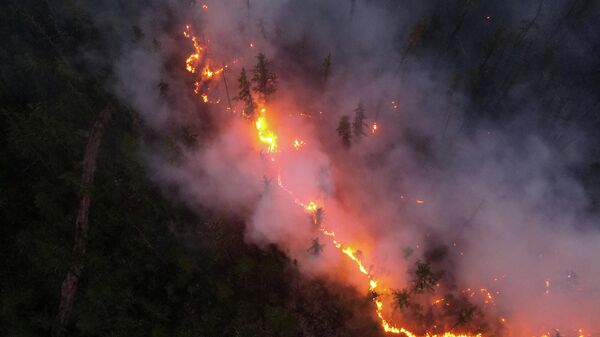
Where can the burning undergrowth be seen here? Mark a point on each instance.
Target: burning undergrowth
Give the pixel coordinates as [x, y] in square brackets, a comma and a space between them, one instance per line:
[332, 132]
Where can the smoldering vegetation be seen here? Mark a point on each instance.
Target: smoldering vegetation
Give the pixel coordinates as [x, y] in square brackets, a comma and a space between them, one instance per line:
[481, 179]
[487, 138]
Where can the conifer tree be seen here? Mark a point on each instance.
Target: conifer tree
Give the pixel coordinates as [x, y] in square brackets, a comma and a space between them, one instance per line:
[358, 125]
[326, 68]
[245, 96]
[344, 130]
[316, 247]
[317, 217]
[425, 278]
[401, 298]
[263, 78]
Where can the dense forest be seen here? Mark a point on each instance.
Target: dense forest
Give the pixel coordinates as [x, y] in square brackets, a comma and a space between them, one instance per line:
[151, 268]
[93, 246]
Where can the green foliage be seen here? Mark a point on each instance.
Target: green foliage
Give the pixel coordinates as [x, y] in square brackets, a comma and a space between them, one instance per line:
[401, 298]
[281, 321]
[263, 77]
[151, 268]
[424, 278]
[245, 96]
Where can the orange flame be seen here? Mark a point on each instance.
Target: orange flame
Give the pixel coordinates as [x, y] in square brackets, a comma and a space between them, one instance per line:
[265, 134]
[191, 63]
[268, 137]
[198, 58]
[353, 254]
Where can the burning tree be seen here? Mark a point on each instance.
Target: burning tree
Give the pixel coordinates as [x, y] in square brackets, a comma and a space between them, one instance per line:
[264, 79]
[317, 217]
[344, 130]
[359, 125]
[245, 96]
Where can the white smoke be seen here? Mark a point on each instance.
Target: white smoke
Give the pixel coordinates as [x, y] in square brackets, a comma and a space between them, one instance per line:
[503, 197]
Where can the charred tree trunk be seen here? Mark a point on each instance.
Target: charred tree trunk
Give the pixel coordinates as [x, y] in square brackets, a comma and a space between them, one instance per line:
[69, 285]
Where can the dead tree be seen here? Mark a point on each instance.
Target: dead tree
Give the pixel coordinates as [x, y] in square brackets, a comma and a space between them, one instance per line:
[69, 285]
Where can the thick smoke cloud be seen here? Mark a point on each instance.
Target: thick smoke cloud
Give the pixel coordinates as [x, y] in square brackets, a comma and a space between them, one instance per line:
[494, 170]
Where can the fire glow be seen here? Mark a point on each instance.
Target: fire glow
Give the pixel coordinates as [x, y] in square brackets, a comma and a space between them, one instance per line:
[198, 59]
[269, 137]
[266, 135]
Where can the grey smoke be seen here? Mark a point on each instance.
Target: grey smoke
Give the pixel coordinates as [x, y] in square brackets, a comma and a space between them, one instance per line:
[500, 183]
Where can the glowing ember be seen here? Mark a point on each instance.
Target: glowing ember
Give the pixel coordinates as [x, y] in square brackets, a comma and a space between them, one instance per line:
[192, 62]
[374, 128]
[208, 73]
[438, 301]
[298, 144]
[198, 59]
[311, 207]
[267, 136]
[486, 295]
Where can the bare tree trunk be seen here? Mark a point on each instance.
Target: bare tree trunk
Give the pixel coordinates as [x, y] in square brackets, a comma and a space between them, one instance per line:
[69, 284]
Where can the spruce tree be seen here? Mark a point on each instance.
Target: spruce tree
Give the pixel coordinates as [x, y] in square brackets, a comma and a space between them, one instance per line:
[424, 278]
[316, 247]
[401, 298]
[263, 78]
[245, 96]
[344, 130]
[358, 125]
[326, 69]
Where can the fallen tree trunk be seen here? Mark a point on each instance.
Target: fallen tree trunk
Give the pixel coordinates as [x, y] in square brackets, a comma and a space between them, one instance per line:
[69, 285]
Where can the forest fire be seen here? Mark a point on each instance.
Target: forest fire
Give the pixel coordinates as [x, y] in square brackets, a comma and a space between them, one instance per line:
[191, 63]
[199, 58]
[256, 109]
[269, 137]
[300, 168]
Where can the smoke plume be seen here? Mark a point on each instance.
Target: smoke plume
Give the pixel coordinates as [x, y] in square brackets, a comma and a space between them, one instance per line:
[476, 155]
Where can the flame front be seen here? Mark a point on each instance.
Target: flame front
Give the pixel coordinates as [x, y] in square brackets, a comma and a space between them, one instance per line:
[198, 58]
[265, 134]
